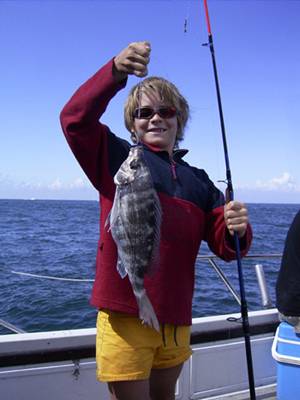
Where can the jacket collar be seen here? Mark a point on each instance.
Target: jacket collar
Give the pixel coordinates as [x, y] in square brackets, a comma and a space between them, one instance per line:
[178, 154]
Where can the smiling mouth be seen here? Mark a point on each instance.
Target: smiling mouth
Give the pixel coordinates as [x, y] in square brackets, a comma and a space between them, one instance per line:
[158, 130]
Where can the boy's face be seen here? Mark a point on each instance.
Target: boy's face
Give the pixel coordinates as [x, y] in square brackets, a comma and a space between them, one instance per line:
[156, 131]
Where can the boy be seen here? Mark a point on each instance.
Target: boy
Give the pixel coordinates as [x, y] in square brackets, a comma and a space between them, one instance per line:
[135, 360]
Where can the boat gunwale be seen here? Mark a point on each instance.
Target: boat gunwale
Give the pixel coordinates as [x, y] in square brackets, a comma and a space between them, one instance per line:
[78, 344]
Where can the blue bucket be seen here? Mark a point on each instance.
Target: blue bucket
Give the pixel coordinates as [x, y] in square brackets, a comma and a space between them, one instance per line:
[286, 351]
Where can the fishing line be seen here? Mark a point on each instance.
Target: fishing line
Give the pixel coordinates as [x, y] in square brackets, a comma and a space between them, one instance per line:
[138, 95]
[187, 18]
[51, 277]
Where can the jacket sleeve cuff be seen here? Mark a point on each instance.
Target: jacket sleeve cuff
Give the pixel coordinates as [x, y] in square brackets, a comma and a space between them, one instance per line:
[121, 83]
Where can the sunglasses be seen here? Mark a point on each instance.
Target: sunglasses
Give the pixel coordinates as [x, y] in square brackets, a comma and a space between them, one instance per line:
[148, 112]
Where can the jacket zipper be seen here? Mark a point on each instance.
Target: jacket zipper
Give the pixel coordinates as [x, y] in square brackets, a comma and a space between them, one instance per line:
[173, 169]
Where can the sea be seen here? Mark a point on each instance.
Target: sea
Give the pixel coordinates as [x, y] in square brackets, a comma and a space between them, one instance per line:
[47, 263]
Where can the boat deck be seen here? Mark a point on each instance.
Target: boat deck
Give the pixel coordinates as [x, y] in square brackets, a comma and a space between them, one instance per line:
[262, 393]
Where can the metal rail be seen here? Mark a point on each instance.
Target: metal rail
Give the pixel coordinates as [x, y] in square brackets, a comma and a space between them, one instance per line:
[266, 300]
[258, 256]
[11, 327]
[225, 280]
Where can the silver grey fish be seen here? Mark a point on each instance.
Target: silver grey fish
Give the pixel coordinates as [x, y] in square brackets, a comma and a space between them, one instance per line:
[135, 227]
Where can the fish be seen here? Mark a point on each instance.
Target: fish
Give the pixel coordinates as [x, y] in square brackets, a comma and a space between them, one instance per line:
[135, 221]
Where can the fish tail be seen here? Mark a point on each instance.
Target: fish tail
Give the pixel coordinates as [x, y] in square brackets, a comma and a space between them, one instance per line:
[146, 311]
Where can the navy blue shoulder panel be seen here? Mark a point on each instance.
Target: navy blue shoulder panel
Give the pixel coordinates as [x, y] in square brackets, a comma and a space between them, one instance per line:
[186, 182]
[215, 198]
[118, 150]
[189, 183]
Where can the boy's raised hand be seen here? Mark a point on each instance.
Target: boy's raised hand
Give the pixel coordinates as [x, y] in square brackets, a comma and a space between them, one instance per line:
[132, 60]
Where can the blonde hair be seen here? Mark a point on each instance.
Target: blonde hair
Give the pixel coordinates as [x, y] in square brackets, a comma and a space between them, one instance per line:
[169, 94]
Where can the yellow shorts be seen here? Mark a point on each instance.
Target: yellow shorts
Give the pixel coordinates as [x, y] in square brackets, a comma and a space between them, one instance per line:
[128, 350]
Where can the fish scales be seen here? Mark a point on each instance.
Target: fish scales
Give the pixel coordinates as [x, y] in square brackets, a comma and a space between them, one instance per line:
[135, 226]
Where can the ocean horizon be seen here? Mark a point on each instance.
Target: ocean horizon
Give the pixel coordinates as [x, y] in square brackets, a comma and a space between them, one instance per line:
[96, 200]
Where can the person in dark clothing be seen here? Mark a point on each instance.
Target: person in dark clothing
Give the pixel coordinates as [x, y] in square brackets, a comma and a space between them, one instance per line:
[288, 281]
[137, 361]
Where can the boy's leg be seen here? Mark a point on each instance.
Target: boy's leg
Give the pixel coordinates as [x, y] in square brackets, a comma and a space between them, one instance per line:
[163, 382]
[129, 390]
[168, 361]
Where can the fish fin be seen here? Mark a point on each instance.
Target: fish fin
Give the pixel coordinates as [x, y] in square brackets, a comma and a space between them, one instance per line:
[121, 269]
[146, 311]
[114, 212]
[107, 222]
[116, 220]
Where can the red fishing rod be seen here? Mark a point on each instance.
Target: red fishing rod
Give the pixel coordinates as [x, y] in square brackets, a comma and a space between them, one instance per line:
[230, 196]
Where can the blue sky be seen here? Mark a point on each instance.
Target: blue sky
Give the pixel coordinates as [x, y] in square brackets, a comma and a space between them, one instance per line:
[48, 48]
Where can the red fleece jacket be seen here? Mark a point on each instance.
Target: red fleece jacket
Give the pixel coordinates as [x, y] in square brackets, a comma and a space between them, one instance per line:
[192, 208]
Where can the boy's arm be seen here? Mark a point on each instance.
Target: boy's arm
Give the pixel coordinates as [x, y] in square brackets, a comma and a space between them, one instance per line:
[218, 238]
[221, 220]
[92, 143]
[87, 137]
